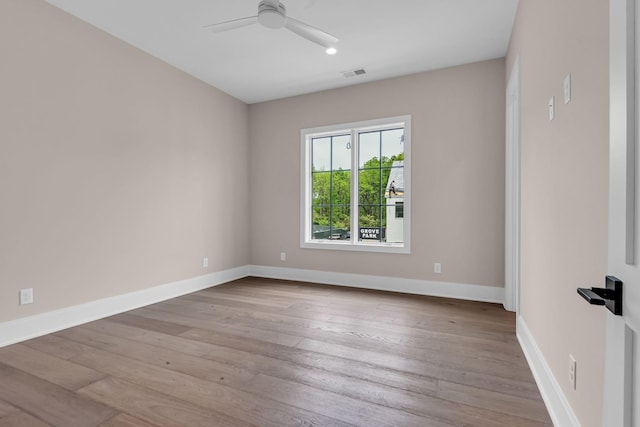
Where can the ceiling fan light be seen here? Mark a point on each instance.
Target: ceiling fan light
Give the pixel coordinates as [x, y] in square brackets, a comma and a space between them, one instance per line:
[331, 51]
[271, 19]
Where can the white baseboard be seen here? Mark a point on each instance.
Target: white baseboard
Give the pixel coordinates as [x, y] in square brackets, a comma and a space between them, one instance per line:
[554, 398]
[34, 326]
[393, 284]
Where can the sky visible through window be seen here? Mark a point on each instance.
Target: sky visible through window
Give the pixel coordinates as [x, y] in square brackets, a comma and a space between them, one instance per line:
[370, 147]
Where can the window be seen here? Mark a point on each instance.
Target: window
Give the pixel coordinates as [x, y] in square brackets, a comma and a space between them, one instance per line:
[356, 186]
[399, 209]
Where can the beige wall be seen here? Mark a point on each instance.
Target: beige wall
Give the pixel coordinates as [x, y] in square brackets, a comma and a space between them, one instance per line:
[117, 171]
[564, 187]
[457, 174]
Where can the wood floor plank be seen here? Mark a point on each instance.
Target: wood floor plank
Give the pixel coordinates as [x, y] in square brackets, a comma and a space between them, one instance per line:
[7, 409]
[57, 371]
[149, 324]
[428, 319]
[366, 387]
[303, 310]
[154, 407]
[218, 396]
[409, 338]
[374, 340]
[352, 368]
[334, 405]
[451, 340]
[56, 405]
[125, 420]
[319, 378]
[302, 368]
[21, 419]
[268, 302]
[419, 411]
[494, 332]
[308, 310]
[532, 409]
[204, 321]
[56, 346]
[158, 339]
[169, 359]
[522, 388]
[388, 300]
[277, 353]
[377, 338]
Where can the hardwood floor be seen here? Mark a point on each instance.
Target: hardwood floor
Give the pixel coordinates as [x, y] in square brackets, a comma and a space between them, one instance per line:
[274, 353]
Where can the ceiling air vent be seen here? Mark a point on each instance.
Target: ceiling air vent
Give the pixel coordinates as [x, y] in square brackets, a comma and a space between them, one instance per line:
[354, 73]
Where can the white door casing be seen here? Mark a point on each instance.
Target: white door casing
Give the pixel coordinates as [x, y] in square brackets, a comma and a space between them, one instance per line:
[512, 192]
[618, 407]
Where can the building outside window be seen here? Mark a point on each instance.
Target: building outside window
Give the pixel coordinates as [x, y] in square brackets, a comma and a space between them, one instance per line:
[362, 210]
[395, 203]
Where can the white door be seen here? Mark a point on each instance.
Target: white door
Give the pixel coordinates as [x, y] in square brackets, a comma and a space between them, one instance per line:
[622, 367]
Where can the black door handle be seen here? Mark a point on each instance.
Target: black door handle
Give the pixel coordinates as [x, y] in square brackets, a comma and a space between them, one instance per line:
[610, 296]
[591, 296]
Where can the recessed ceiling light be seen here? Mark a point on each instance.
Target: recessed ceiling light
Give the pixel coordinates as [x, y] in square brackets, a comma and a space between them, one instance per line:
[331, 51]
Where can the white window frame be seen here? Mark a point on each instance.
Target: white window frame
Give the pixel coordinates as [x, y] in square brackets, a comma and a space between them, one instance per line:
[306, 199]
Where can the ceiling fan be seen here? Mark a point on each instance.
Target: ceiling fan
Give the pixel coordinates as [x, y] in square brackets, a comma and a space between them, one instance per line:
[273, 14]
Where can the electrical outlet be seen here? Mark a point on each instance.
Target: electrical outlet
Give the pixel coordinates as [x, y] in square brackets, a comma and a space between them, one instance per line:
[26, 296]
[205, 262]
[283, 256]
[437, 267]
[573, 365]
[552, 108]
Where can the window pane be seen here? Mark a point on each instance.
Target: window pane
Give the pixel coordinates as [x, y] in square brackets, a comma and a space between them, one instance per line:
[394, 187]
[369, 149]
[340, 222]
[394, 198]
[369, 187]
[387, 185]
[370, 226]
[321, 154]
[392, 145]
[394, 222]
[331, 223]
[341, 152]
[341, 188]
[320, 228]
[321, 188]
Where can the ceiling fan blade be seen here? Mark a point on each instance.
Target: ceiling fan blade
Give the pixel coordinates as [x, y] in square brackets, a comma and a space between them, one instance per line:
[230, 25]
[310, 33]
[310, 4]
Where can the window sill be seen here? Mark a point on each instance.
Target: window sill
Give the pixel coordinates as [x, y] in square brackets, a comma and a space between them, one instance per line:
[394, 248]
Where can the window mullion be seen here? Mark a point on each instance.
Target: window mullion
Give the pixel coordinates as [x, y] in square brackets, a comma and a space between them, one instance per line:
[380, 186]
[355, 173]
[331, 207]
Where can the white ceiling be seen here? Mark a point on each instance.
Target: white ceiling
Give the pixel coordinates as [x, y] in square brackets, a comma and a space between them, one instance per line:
[388, 38]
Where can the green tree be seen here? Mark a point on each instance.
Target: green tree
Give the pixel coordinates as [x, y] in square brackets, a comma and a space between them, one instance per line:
[332, 198]
[373, 177]
[331, 192]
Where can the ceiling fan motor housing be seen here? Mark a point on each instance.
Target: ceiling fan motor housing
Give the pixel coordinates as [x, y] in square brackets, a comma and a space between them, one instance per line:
[272, 14]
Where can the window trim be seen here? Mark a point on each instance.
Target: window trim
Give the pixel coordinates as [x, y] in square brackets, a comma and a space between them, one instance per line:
[306, 202]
